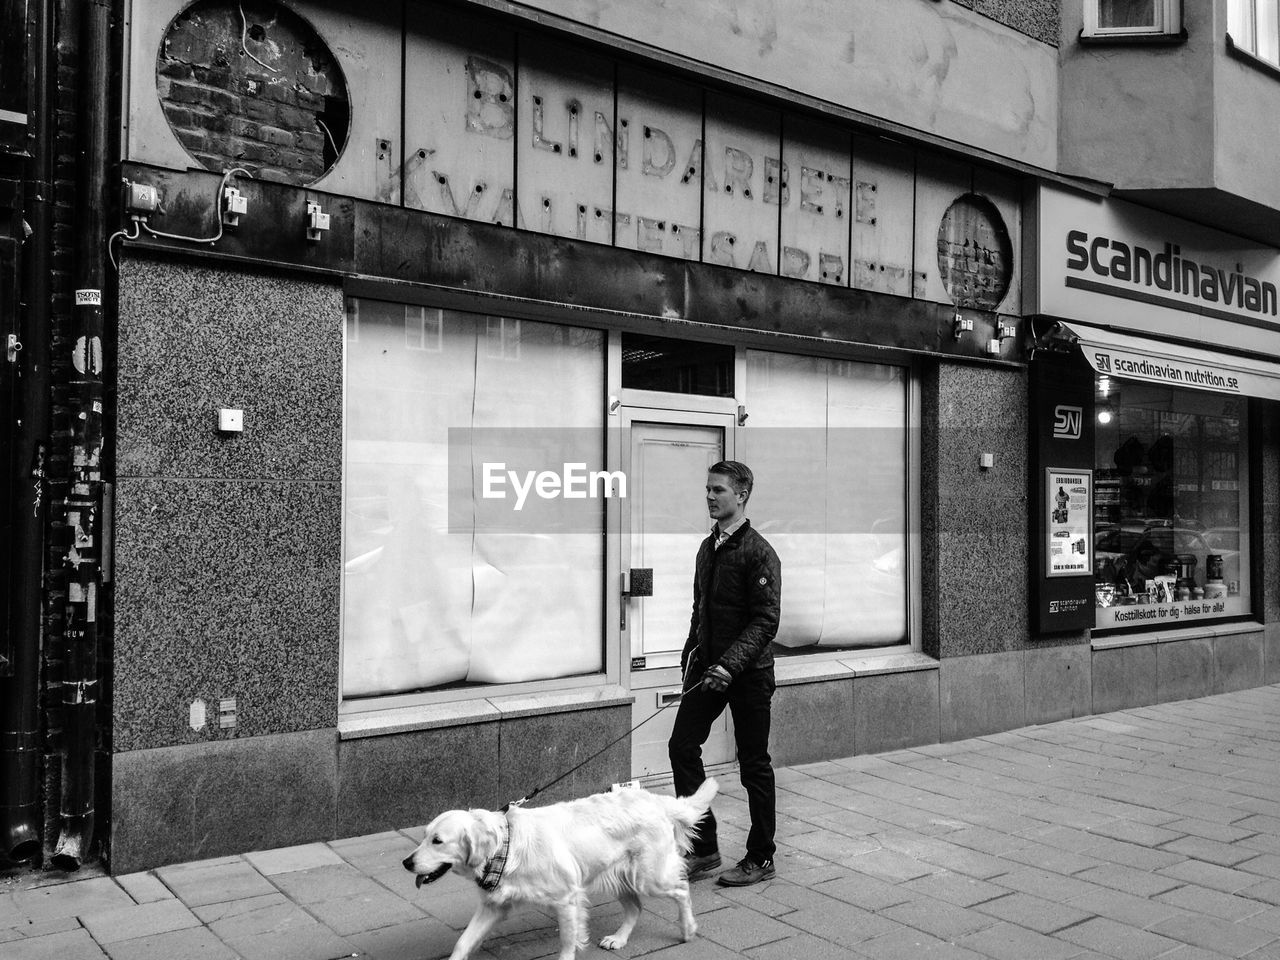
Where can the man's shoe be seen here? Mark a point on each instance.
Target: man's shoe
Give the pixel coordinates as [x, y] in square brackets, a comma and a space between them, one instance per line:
[696, 867]
[746, 873]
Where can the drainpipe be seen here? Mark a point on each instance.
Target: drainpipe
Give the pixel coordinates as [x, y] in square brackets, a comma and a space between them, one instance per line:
[83, 505]
[19, 695]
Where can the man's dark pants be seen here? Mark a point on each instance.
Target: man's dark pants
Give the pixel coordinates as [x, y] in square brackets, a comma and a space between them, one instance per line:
[748, 699]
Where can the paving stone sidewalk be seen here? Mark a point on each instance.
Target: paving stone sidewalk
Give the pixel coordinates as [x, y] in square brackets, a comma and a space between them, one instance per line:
[1146, 833]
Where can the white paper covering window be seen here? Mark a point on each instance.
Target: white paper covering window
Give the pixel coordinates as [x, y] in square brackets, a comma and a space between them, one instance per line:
[830, 495]
[423, 606]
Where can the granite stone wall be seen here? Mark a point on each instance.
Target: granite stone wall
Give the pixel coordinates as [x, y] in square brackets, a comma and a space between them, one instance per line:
[1035, 18]
[974, 520]
[227, 545]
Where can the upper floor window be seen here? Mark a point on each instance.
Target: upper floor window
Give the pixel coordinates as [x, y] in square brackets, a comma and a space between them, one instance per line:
[1254, 26]
[1121, 18]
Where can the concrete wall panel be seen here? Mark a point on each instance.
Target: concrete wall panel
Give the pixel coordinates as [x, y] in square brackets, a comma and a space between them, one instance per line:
[539, 748]
[936, 67]
[1124, 677]
[194, 802]
[981, 694]
[1238, 662]
[813, 721]
[1184, 669]
[1058, 682]
[1271, 654]
[895, 710]
[405, 779]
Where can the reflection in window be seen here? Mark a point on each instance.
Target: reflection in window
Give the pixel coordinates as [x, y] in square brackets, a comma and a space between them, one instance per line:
[1170, 507]
[1119, 18]
[427, 604]
[676, 366]
[1126, 13]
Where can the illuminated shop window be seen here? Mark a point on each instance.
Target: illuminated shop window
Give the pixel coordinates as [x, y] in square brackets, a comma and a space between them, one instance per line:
[1119, 18]
[1171, 520]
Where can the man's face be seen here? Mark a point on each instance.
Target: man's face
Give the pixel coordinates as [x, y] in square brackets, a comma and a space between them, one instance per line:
[724, 503]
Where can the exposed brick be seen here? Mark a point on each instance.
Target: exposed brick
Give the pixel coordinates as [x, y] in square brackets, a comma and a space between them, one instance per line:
[295, 117]
[276, 135]
[251, 150]
[262, 110]
[191, 139]
[281, 92]
[293, 160]
[310, 141]
[186, 93]
[215, 77]
[178, 116]
[310, 101]
[174, 69]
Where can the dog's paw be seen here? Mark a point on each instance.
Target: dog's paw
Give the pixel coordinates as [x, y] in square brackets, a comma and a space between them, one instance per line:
[613, 942]
[688, 932]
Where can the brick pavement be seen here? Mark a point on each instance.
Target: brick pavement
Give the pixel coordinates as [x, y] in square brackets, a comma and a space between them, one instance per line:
[1146, 833]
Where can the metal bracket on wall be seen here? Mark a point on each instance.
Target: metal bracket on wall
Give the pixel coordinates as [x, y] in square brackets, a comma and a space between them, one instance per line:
[13, 346]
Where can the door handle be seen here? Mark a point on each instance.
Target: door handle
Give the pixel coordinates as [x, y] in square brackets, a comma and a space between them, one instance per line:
[641, 585]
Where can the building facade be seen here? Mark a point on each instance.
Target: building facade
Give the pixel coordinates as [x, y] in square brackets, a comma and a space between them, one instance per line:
[420, 324]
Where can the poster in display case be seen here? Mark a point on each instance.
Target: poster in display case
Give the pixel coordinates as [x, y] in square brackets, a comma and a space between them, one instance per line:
[1068, 503]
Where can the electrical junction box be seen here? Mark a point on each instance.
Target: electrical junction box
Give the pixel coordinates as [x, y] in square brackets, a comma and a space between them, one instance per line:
[234, 205]
[317, 220]
[230, 421]
[140, 199]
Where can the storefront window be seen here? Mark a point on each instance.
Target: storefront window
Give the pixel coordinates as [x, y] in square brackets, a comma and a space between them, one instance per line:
[827, 441]
[429, 602]
[1171, 524]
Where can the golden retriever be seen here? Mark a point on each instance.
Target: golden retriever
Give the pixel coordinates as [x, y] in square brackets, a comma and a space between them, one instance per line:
[628, 842]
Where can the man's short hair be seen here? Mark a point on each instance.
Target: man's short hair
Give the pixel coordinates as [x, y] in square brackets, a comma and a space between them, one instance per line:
[739, 475]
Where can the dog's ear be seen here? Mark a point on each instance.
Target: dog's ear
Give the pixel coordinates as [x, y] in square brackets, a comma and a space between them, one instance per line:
[481, 839]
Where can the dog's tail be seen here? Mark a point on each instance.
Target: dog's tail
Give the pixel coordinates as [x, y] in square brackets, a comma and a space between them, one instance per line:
[687, 811]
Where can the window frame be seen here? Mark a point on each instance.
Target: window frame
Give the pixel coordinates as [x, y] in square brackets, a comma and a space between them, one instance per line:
[1168, 22]
[1246, 13]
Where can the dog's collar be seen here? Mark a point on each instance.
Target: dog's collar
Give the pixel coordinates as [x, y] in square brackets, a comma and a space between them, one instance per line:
[496, 865]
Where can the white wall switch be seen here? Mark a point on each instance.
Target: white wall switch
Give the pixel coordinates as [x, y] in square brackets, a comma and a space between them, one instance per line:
[230, 421]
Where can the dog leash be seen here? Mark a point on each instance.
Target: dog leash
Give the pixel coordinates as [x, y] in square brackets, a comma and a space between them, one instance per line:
[537, 790]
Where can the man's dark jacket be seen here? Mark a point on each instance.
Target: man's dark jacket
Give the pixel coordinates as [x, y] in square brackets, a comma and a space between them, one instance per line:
[737, 593]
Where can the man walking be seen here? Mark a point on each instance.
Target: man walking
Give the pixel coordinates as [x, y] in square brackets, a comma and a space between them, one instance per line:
[727, 661]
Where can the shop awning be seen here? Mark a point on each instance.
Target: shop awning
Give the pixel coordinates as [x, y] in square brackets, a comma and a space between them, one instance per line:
[1153, 361]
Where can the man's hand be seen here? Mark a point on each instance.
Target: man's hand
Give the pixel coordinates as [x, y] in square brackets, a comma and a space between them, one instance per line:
[717, 678]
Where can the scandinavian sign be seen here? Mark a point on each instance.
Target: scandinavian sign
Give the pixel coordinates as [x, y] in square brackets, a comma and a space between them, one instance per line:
[1115, 264]
[1139, 358]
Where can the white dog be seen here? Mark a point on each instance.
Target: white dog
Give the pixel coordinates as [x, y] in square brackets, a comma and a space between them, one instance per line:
[628, 842]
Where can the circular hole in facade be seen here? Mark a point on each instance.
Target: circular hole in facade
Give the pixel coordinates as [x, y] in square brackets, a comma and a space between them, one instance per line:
[260, 53]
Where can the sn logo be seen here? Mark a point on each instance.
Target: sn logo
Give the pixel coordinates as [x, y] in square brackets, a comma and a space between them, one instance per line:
[1067, 422]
